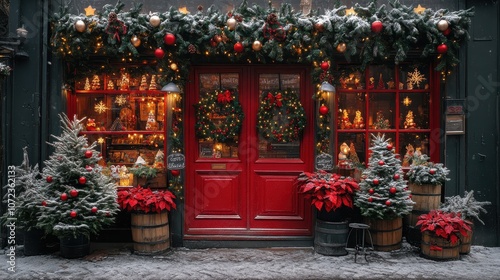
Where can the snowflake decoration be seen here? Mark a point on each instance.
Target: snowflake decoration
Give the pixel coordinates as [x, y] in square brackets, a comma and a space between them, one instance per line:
[415, 77]
[121, 100]
[100, 107]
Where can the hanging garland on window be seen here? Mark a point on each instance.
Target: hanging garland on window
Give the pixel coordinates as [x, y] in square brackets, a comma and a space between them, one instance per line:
[281, 117]
[218, 116]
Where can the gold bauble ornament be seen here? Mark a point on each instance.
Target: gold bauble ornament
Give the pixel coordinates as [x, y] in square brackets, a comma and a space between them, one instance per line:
[257, 45]
[231, 24]
[173, 66]
[217, 38]
[341, 47]
[80, 25]
[154, 21]
[136, 42]
[442, 25]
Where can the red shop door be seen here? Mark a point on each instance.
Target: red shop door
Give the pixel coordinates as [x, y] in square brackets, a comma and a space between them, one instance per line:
[244, 189]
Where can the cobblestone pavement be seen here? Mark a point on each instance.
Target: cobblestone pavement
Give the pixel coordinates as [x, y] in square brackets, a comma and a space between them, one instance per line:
[265, 263]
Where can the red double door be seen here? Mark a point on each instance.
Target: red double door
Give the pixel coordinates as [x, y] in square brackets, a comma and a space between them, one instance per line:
[244, 190]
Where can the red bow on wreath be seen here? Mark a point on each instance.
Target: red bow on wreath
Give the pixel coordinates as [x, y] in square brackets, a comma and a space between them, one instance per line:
[277, 100]
[224, 97]
[115, 26]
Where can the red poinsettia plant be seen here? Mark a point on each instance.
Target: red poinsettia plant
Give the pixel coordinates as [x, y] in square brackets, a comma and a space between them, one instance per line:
[328, 191]
[146, 200]
[448, 225]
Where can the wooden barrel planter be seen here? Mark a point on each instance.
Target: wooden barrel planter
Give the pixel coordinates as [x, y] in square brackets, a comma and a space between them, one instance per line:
[386, 234]
[429, 248]
[150, 232]
[330, 238]
[466, 241]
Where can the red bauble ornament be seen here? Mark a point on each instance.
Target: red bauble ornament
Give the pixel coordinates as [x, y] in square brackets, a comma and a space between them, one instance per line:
[82, 180]
[325, 65]
[370, 199]
[432, 171]
[396, 176]
[381, 162]
[389, 147]
[94, 209]
[73, 193]
[238, 47]
[388, 202]
[169, 39]
[392, 190]
[73, 214]
[377, 26]
[175, 173]
[323, 110]
[376, 181]
[88, 154]
[159, 53]
[49, 179]
[88, 168]
[447, 32]
[443, 48]
[371, 191]
[64, 197]
[44, 203]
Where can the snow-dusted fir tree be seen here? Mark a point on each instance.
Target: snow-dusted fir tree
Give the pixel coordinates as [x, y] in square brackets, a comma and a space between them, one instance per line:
[383, 192]
[78, 198]
[27, 195]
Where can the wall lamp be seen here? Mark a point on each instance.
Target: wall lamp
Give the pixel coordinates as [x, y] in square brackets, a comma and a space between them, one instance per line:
[171, 87]
[327, 87]
[15, 45]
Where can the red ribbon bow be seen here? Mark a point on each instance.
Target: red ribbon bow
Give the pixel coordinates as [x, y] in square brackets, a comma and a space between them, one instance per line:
[224, 97]
[277, 100]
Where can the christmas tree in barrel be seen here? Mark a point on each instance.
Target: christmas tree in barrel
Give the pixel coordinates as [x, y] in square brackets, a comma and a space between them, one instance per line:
[384, 198]
[78, 199]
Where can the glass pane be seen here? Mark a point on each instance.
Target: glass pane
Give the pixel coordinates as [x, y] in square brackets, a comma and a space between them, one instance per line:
[351, 113]
[413, 77]
[381, 110]
[351, 79]
[381, 77]
[351, 148]
[290, 82]
[412, 145]
[414, 110]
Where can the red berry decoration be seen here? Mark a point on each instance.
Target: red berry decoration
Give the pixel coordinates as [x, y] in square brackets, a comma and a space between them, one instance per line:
[388, 202]
[325, 65]
[175, 173]
[64, 197]
[73, 214]
[94, 209]
[159, 53]
[238, 47]
[432, 171]
[443, 48]
[49, 179]
[169, 39]
[396, 176]
[73, 193]
[371, 191]
[392, 190]
[82, 180]
[88, 154]
[377, 26]
[381, 162]
[323, 110]
[376, 181]
[389, 147]
[44, 203]
[370, 199]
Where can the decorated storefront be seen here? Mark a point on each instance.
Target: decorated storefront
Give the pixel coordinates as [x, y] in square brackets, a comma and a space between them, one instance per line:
[225, 108]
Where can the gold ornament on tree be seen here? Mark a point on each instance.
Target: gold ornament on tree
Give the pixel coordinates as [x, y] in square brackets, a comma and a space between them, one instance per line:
[80, 26]
[231, 24]
[154, 20]
[442, 25]
[173, 66]
[257, 45]
[136, 42]
[341, 47]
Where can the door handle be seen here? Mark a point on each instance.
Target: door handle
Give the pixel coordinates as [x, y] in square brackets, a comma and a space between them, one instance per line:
[481, 157]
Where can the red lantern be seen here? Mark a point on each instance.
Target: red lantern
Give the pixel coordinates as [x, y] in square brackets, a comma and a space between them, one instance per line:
[169, 39]
[175, 173]
[94, 209]
[49, 179]
[159, 53]
[82, 180]
[73, 193]
[73, 214]
[238, 47]
[64, 197]
[325, 65]
[388, 202]
[377, 26]
[443, 48]
[392, 190]
[376, 181]
[323, 110]
[88, 154]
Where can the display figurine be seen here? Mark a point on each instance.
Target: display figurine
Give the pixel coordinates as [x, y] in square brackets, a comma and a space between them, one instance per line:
[91, 126]
[96, 83]
[125, 82]
[409, 123]
[353, 155]
[345, 123]
[343, 156]
[159, 160]
[407, 159]
[87, 84]
[111, 85]
[124, 176]
[153, 85]
[390, 84]
[343, 83]
[144, 83]
[151, 123]
[358, 120]
[371, 83]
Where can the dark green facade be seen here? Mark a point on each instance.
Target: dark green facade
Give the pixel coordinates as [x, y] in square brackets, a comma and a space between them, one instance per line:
[33, 96]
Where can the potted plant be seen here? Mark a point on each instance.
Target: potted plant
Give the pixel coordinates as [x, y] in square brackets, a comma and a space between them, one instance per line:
[143, 173]
[149, 217]
[440, 234]
[332, 195]
[470, 209]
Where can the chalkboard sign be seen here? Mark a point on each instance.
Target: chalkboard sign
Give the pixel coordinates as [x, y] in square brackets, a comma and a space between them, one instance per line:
[176, 161]
[324, 162]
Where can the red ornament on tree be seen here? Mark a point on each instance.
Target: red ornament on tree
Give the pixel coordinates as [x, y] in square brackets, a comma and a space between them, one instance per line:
[381, 162]
[371, 191]
[44, 203]
[238, 47]
[376, 181]
[73, 214]
[159, 53]
[396, 176]
[175, 173]
[447, 32]
[432, 171]
[392, 190]
[73, 193]
[323, 110]
[94, 209]
[388, 202]
[389, 147]
[443, 48]
[82, 180]
[377, 26]
[49, 179]
[88, 154]
[88, 168]
[370, 199]
[64, 197]
[169, 39]
[325, 65]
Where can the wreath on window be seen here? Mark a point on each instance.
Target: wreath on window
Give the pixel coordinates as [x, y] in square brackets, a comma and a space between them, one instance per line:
[281, 117]
[218, 116]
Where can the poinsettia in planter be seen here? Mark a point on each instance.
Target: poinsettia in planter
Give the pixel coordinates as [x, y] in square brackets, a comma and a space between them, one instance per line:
[441, 234]
[149, 217]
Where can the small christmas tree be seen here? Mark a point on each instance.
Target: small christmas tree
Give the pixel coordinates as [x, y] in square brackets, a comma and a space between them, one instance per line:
[96, 83]
[78, 198]
[384, 194]
[87, 84]
[144, 83]
[153, 85]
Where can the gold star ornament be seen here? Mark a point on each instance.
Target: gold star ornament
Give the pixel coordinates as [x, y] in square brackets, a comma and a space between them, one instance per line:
[419, 9]
[350, 12]
[89, 11]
